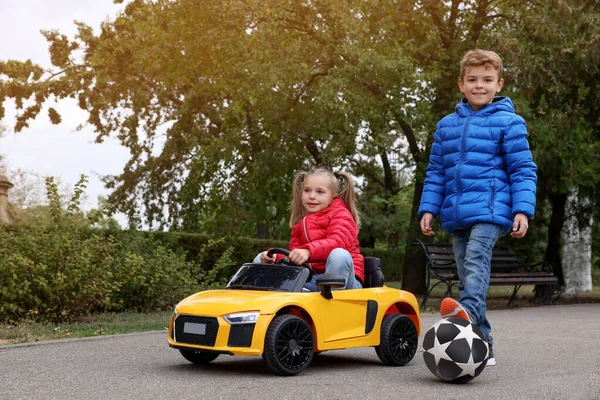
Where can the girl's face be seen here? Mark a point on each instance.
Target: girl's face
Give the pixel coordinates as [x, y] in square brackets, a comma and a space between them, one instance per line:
[479, 85]
[317, 194]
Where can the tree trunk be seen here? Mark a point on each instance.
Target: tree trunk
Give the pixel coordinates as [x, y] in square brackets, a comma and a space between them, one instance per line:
[553, 248]
[389, 177]
[413, 273]
[553, 256]
[262, 231]
[577, 246]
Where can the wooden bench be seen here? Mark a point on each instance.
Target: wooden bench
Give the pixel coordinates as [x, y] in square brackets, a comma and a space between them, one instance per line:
[506, 270]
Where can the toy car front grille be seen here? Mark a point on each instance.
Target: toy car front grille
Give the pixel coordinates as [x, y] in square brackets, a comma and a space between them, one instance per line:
[202, 337]
[241, 335]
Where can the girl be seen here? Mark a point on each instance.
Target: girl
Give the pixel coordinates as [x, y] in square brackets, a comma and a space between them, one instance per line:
[324, 221]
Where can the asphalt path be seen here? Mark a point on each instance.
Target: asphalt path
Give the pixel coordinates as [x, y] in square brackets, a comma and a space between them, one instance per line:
[550, 352]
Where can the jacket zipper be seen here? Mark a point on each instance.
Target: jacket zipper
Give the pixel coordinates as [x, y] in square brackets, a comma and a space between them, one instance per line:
[491, 201]
[463, 146]
[305, 231]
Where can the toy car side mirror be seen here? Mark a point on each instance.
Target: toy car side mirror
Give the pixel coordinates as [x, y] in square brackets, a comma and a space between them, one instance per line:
[328, 281]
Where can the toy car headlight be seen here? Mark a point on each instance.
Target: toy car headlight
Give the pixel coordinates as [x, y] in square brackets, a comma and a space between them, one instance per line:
[242, 318]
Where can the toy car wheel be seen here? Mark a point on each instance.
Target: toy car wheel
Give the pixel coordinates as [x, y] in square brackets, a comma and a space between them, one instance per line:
[197, 356]
[399, 340]
[288, 345]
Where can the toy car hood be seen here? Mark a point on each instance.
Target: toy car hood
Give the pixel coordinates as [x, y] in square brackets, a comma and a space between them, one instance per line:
[220, 302]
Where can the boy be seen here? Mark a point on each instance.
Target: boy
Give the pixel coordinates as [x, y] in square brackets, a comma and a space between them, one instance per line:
[482, 179]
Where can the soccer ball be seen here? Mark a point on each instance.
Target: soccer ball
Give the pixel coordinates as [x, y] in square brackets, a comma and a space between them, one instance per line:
[455, 350]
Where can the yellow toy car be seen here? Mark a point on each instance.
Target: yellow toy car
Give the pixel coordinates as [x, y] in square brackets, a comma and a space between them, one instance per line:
[264, 310]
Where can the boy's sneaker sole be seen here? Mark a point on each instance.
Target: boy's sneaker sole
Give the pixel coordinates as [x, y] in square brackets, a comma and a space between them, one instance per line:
[452, 308]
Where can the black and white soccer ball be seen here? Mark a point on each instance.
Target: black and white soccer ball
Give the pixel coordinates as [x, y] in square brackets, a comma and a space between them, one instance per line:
[455, 350]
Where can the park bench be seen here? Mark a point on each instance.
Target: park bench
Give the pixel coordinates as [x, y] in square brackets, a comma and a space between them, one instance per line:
[506, 270]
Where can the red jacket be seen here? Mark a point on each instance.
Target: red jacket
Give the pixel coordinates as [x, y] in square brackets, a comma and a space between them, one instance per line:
[328, 229]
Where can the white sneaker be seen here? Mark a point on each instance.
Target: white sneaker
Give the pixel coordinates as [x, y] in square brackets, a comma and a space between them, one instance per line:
[491, 360]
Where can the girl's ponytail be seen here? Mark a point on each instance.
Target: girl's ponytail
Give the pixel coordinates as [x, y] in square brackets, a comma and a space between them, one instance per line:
[348, 196]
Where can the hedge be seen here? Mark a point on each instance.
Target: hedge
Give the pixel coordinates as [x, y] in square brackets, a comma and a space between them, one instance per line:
[60, 273]
[245, 249]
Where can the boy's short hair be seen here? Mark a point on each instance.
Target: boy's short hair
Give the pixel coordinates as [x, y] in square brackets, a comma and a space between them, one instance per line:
[478, 57]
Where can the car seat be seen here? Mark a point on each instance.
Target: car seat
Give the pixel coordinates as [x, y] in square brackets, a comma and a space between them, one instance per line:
[373, 274]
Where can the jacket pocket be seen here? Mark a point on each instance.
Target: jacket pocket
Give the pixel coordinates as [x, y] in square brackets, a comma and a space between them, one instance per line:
[491, 198]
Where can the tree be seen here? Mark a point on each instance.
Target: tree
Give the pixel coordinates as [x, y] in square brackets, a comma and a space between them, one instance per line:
[446, 31]
[554, 48]
[221, 102]
[28, 191]
[225, 109]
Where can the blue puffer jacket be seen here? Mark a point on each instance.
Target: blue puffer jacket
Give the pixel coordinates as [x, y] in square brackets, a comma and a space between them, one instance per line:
[480, 168]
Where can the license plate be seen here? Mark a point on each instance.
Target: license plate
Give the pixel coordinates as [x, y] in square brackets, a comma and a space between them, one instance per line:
[193, 328]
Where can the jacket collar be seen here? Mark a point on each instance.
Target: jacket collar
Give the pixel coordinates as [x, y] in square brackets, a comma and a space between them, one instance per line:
[500, 103]
[335, 204]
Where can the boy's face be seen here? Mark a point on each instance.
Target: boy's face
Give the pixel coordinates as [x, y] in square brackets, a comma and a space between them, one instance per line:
[479, 85]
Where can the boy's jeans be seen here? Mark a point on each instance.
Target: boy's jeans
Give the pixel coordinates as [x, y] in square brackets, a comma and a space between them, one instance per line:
[473, 252]
[339, 262]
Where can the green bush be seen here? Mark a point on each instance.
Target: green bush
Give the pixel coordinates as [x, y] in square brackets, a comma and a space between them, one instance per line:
[56, 267]
[391, 262]
[55, 274]
[206, 251]
[596, 271]
[60, 273]
[151, 281]
[245, 249]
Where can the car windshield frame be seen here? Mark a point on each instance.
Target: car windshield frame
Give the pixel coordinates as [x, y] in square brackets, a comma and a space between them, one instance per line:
[269, 277]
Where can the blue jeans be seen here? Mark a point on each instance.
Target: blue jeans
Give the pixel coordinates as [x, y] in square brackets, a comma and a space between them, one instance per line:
[339, 262]
[473, 253]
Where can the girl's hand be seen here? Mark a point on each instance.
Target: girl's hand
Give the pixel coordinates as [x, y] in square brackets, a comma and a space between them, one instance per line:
[426, 221]
[266, 259]
[520, 226]
[299, 256]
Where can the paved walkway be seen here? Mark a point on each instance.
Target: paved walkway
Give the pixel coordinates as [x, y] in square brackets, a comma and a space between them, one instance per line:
[550, 352]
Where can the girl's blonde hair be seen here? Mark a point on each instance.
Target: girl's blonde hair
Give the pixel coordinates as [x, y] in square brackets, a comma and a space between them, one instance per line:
[345, 192]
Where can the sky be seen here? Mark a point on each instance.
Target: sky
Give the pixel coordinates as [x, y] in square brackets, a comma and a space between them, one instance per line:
[55, 150]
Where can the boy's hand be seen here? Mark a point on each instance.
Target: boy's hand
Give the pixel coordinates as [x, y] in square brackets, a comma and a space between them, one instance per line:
[426, 221]
[520, 226]
[299, 256]
[265, 259]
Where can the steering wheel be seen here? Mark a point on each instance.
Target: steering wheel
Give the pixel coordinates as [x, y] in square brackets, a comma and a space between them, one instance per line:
[286, 261]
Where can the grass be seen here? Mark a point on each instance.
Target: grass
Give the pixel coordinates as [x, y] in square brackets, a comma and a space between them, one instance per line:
[89, 326]
[129, 322]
